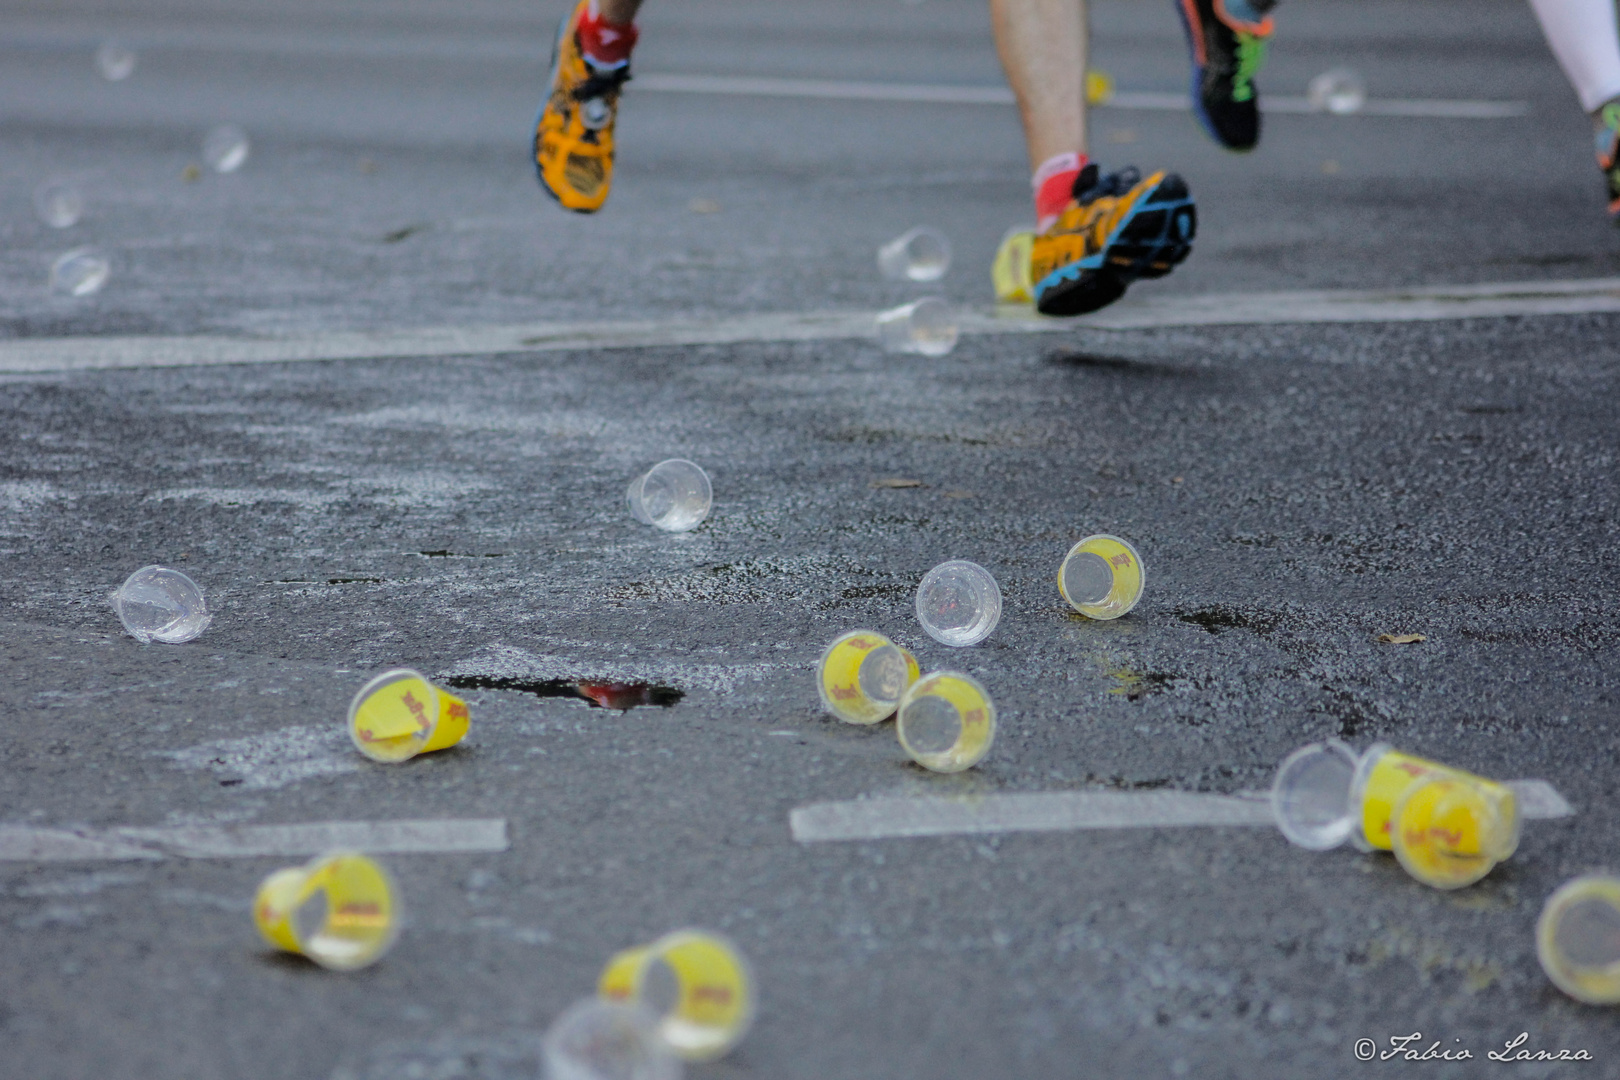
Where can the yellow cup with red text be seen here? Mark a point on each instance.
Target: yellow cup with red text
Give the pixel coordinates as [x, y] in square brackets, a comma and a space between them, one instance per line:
[399, 714]
[697, 984]
[863, 675]
[338, 910]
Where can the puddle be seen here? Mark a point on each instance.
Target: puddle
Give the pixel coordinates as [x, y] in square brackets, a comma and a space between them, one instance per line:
[446, 553]
[602, 695]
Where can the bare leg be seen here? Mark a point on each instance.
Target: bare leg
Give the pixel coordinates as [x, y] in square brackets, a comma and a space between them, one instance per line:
[1043, 46]
[619, 12]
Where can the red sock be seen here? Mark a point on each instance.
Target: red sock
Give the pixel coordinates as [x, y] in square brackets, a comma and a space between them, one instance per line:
[605, 44]
[1054, 186]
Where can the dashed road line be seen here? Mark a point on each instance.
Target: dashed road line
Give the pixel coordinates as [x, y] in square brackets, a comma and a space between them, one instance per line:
[24, 843]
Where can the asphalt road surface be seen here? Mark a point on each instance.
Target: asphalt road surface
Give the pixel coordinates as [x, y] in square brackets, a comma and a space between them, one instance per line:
[1295, 491]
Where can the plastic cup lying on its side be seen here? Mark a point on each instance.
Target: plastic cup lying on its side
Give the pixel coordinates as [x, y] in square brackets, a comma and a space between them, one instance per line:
[1448, 828]
[605, 1040]
[920, 254]
[59, 202]
[339, 910]
[399, 714]
[958, 603]
[1010, 271]
[698, 985]
[115, 62]
[862, 676]
[674, 495]
[225, 148]
[926, 327]
[158, 604]
[1102, 577]
[80, 272]
[946, 722]
[1339, 91]
[1578, 939]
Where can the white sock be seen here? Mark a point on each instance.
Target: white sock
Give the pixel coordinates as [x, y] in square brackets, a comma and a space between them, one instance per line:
[1584, 38]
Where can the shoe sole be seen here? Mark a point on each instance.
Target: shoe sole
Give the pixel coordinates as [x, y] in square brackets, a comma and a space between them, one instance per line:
[1154, 237]
[1195, 37]
[563, 28]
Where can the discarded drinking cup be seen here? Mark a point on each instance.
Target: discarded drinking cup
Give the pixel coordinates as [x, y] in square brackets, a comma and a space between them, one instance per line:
[158, 604]
[1102, 577]
[1447, 827]
[338, 910]
[1010, 272]
[946, 721]
[862, 676]
[1578, 939]
[225, 148]
[115, 62]
[920, 254]
[697, 984]
[59, 202]
[605, 1040]
[80, 272]
[958, 603]
[926, 327]
[399, 714]
[673, 495]
[1339, 91]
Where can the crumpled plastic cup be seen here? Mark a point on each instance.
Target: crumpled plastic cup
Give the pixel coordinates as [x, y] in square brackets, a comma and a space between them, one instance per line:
[158, 604]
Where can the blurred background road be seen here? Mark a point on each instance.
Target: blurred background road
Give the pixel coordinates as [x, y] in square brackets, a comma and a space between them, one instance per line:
[1295, 491]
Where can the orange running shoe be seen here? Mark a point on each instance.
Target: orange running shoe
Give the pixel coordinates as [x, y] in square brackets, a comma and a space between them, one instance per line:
[573, 135]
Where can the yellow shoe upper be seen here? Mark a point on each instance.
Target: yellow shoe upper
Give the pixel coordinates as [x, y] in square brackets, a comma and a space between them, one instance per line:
[573, 142]
[1081, 232]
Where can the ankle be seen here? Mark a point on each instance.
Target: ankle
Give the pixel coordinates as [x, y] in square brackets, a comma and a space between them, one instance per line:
[1054, 186]
[605, 44]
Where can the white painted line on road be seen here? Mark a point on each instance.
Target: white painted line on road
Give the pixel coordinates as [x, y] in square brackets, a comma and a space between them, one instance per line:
[948, 94]
[1423, 304]
[1066, 811]
[22, 843]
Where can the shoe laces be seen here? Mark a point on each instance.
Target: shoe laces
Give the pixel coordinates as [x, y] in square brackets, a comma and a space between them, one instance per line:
[1092, 184]
[1251, 54]
[602, 81]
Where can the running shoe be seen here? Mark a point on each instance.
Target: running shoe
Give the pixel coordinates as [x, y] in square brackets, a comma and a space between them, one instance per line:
[1608, 154]
[1227, 39]
[1119, 227]
[573, 137]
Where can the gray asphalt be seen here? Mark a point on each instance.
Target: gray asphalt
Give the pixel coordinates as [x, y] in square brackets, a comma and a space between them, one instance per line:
[1294, 491]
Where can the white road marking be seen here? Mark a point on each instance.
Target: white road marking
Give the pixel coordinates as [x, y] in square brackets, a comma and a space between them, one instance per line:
[948, 94]
[22, 843]
[1064, 811]
[1418, 304]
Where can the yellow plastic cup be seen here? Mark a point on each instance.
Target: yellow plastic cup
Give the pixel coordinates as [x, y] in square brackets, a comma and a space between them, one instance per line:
[1449, 832]
[1384, 775]
[1011, 272]
[698, 984]
[1102, 577]
[1578, 939]
[338, 910]
[862, 676]
[399, 714]
[946, 722]
[1099, 87]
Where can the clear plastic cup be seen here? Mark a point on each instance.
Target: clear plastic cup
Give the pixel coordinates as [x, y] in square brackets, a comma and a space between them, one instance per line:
[80, 272]
[1339, 91]
[926, 327]
[920, 254]
[225, 148]
[1448, 828]
[59, 202]
[698, 985]
[1010, 272]
[1310, 798]
[958, 603]
[399, 714]
[158, 604]
[862, 676]
[604, 1040]
[115, 62]
[946, 722]
[1578, 939]
[339, 910]
[673, 495]
[1102, 577]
